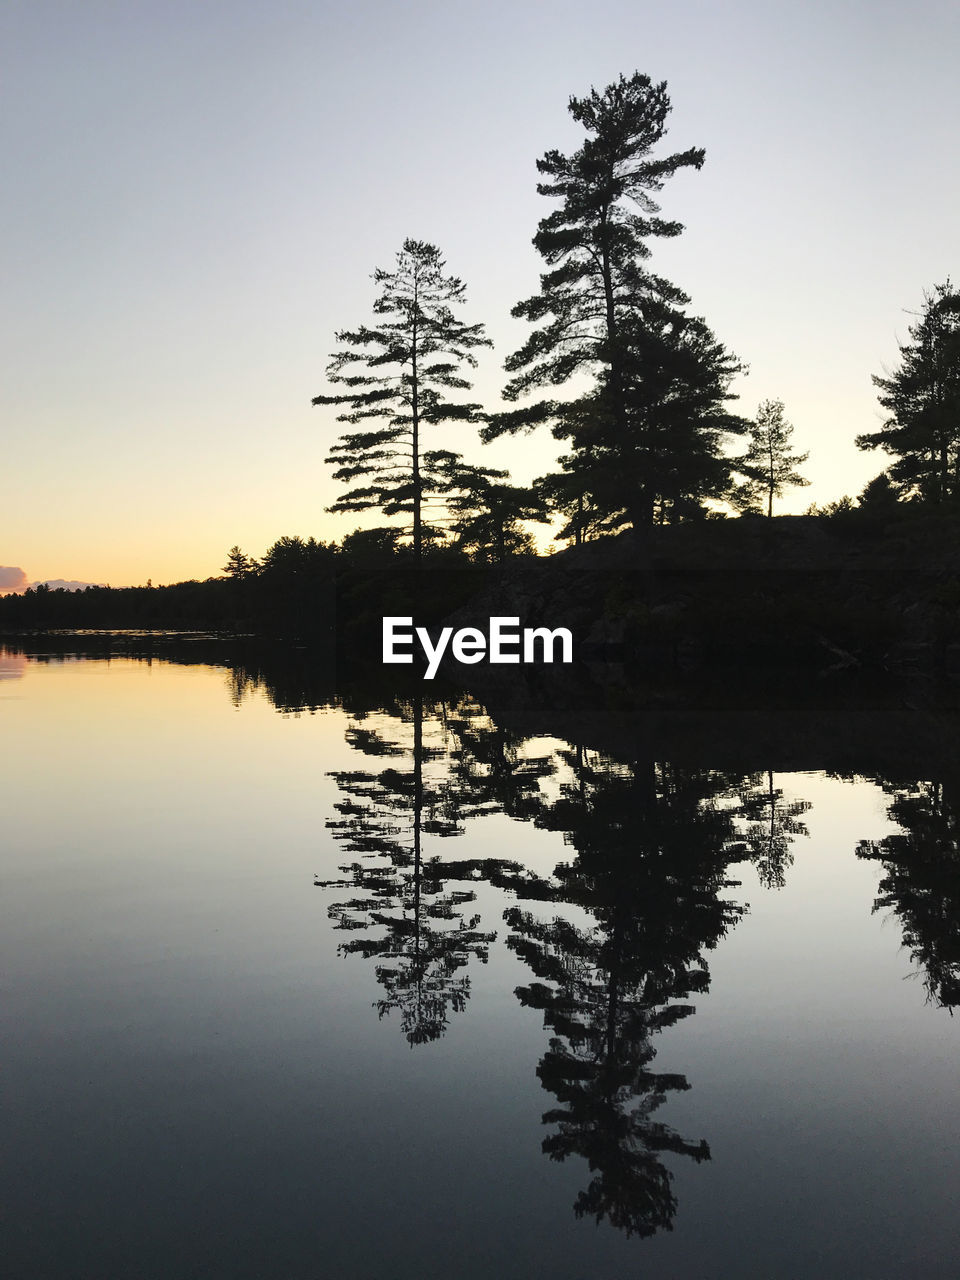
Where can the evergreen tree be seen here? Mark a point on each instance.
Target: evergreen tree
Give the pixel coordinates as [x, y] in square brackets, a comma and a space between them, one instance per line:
[879, 497]
[295, 561]
[397, 375]
[665, 452]
[769, 465]
[239, 565]
[488, 513]
[922, 399]
[569, 492]
[653, 424]
[371, 546]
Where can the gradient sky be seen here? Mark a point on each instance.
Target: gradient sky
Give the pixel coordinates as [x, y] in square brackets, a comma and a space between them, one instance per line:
[195, 197]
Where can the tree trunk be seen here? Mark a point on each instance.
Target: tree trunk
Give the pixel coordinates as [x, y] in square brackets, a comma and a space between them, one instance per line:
[613, 355]
[415, 415]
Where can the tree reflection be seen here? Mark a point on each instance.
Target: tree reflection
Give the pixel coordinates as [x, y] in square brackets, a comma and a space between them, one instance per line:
[772, 826]
[294, 680]
[421, 938]
[921, 880]
[491, 770]
[615, 939]
[652, 845]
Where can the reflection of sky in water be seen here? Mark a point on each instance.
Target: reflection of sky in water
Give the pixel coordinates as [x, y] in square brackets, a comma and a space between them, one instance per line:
[201, 1085]
[13, 666]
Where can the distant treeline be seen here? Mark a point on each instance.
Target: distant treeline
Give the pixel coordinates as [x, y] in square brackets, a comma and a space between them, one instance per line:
[300, 587]
[872, 583]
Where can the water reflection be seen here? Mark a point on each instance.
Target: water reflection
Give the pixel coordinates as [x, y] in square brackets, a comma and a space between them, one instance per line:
[921, 880]
[493, 769]
[652, 844]
[422, 939]
[615, 932]
[771, 827]
[13, 665]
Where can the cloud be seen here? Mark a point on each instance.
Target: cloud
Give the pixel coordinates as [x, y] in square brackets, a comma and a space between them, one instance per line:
[12, 579]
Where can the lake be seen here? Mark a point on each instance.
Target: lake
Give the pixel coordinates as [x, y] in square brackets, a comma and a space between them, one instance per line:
[309, 978]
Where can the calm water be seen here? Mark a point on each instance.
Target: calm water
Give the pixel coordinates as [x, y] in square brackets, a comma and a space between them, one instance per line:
[390, 988]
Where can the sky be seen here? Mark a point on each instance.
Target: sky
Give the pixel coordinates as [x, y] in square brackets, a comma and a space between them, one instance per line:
[196, 197]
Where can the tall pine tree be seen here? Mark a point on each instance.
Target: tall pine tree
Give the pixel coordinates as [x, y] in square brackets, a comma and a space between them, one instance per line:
[653, 424]
[397, 375]
[769, 464]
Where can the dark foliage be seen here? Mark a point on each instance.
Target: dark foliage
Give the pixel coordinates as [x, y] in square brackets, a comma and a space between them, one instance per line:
[651, 427]
[922, 399]
[397, 377]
